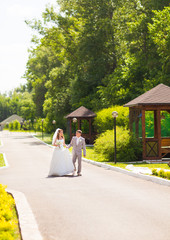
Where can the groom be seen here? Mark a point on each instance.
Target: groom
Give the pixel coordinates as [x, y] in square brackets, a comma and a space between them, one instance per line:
[78, 143]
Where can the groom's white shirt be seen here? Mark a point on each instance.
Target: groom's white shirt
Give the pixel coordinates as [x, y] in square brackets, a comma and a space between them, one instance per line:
[78, 138]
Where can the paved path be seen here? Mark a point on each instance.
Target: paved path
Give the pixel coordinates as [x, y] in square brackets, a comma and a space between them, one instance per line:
[100, 205]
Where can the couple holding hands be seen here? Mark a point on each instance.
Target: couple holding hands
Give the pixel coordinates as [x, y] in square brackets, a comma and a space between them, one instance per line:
[61, 163]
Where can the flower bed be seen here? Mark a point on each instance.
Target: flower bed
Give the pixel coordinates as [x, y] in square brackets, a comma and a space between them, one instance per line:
[161, 173]
[9, 229]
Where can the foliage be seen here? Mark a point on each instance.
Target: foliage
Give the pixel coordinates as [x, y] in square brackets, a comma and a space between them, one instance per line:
[92, 53]
[161, 173]
[15, 125]
[8, 222]
[128, 147]
[104, 120]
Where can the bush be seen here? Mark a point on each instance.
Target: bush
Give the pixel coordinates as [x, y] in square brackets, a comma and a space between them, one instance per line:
[169, 164]
[129, 148]
[104, 120]
[161, 173]
[154, 172]
[7, 224]
[16, 125]
[11, 126]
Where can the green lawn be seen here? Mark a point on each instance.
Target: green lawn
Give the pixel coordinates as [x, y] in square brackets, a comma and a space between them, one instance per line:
[47, 138]
[2, 162]
[93, 156]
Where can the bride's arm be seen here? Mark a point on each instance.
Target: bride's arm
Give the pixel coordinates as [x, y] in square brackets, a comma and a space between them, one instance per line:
[64, 144]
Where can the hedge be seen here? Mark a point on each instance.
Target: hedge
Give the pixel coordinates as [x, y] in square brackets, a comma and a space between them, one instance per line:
[7, 222]
[129, 148]
[161, 173]
[104, 120]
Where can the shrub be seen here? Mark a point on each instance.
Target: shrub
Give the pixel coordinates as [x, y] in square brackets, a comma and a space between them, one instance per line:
[167, 175]
[154, 172]
[7, 224]
[11, 126]
[169, 164]
[161, 173]
[16, 125]
[104, 120]
[128, 147]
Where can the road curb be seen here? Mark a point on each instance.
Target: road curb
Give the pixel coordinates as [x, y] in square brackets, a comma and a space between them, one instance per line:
[137, 175]
[117, 169]
[27, 222]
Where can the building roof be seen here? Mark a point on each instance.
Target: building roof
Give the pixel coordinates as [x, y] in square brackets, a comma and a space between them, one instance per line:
[11, 119]
[81, 112]
[159, 95]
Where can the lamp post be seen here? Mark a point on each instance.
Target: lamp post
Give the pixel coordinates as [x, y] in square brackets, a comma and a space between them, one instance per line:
[35, 125]
[54, 122]
[42, 128]
[115, 115]
[29, 124]
[75, 121]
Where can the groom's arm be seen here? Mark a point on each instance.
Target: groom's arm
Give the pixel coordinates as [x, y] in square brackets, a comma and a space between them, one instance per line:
[84, 148]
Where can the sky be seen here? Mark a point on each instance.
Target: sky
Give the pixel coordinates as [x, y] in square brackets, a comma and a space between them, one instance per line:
[15, 39]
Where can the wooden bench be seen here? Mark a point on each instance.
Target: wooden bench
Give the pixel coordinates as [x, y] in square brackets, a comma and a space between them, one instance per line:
[165, 146]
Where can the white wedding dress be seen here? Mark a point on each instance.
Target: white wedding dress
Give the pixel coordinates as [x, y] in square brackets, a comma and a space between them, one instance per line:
[61, 163]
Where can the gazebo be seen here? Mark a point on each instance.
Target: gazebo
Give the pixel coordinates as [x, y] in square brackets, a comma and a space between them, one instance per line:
[157, 101]
[78, 119]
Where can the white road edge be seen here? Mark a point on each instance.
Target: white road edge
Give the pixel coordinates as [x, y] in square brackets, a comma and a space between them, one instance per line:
[27, 221]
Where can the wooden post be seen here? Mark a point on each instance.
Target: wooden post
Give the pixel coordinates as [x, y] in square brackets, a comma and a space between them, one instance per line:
[143, 134]
[159, 133]
[79, 124]
[155, 125]
[131, 119]
[70, 128]
[137, 125]
[90, 128]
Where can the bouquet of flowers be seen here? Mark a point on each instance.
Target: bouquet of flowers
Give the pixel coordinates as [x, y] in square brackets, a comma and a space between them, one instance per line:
[58, 143]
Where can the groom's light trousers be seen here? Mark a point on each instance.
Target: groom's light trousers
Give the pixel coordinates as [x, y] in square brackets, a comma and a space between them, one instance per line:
[77, 155]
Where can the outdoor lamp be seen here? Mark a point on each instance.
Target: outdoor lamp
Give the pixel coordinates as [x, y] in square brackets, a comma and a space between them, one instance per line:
[115, 115]
[74, 120]
[42, 120]
[54, 122]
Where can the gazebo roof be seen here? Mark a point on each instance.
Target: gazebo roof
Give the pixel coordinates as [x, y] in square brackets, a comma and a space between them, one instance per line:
[11, 119]
[81, 112]
[159, 95]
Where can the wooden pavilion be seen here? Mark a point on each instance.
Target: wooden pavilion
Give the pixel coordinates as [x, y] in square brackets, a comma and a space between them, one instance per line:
[76, 120]
[155, 100]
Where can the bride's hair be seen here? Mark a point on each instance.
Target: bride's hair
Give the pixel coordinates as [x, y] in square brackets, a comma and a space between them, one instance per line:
[58, 134]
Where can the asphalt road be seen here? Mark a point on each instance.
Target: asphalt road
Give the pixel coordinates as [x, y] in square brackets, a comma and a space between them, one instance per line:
[100, 205]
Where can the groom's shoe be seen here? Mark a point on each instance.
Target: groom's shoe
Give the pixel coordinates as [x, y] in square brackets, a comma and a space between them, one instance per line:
[79, 174]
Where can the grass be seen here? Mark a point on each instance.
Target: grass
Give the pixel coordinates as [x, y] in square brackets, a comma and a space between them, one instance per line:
[93, 156]
[2, 162]
[47, 138]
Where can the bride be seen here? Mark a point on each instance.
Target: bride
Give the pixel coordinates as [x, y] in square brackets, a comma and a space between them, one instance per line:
[61, 163]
